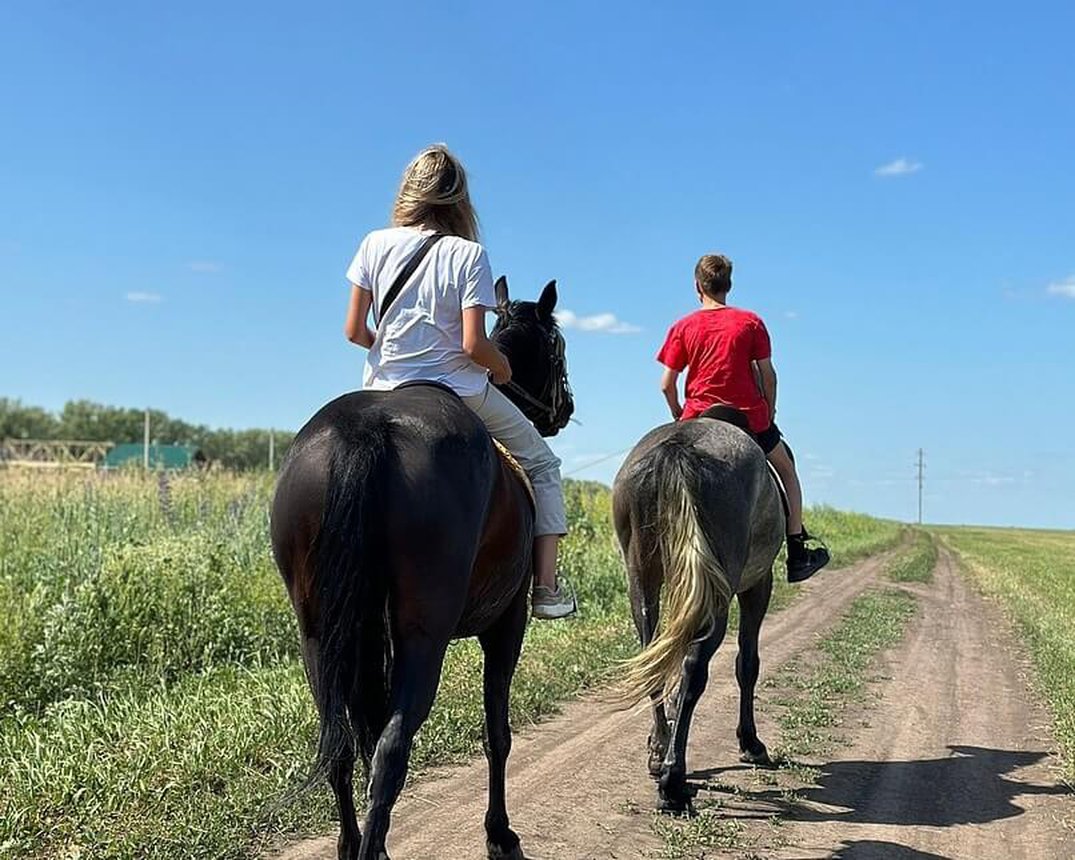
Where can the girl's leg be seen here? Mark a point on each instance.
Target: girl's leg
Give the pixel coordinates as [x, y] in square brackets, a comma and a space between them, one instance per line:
[512, 429]
[546, 549]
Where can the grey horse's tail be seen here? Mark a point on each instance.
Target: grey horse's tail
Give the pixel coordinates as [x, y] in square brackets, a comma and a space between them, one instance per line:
[696, 587]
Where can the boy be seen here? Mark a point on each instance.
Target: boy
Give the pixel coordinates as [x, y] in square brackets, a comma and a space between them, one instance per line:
[728, 359]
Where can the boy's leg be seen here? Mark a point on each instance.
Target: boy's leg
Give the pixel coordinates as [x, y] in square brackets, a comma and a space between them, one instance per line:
[789, 477]
[803, 562]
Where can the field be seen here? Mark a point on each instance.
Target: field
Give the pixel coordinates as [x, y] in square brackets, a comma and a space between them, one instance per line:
[1032, 573]
[151, 702]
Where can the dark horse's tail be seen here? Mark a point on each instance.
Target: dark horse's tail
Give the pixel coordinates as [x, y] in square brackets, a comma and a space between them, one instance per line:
[350, 590]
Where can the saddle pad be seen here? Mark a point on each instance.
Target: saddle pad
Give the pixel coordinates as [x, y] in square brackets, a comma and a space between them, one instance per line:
[779, 488]
[519, 471]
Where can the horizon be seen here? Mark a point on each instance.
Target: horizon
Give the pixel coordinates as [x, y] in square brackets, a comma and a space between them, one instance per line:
[186, 188]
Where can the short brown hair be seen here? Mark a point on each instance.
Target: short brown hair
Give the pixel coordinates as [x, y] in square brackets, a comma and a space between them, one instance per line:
[714, 275]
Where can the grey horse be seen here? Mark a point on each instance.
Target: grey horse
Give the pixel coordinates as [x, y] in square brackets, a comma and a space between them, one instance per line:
[695, 510]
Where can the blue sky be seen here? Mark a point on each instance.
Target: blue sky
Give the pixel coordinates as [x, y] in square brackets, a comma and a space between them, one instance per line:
[183, 187]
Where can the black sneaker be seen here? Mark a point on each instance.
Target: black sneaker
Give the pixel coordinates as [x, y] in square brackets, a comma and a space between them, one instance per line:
[803, 562]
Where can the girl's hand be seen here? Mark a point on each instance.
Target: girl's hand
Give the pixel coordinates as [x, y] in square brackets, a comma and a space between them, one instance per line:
[501, 375]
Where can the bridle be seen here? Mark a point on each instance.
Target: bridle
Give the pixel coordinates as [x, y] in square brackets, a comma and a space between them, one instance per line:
[555, 402]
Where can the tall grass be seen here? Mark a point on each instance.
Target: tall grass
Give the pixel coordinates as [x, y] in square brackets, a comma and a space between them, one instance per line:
[151, 700]
[1032, 573]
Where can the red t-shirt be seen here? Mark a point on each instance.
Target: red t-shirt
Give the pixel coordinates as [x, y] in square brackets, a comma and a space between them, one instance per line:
[717, 346]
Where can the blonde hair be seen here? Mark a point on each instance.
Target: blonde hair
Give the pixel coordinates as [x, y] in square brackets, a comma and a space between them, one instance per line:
[714, 275]
[433, 193]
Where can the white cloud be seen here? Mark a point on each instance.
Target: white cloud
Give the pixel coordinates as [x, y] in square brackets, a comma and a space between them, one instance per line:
[1065, 288]
[900, 167]
[145, 298]
[791, 315]
[606, 323]
[205, 266]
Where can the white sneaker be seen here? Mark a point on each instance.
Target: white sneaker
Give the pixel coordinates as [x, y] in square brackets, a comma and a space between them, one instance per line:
[552, 603]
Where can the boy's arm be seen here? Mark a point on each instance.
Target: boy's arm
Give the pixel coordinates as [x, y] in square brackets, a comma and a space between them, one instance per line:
[767, 378]
[670, 388]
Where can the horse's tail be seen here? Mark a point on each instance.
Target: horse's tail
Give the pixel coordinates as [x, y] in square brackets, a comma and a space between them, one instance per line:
[350, 594]
[696, 587]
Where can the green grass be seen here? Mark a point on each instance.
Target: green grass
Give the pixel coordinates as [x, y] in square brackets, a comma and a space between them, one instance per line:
[875, 621]
[916, 565]
[151, 701]
[697, 837]
[1032, 573]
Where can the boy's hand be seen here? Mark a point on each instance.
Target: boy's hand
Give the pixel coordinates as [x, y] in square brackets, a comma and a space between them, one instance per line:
[670, 390]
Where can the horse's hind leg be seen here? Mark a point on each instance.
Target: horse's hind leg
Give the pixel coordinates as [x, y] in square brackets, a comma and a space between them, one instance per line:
[416, 667]
[646, 610]
[501, 643]
[369, 699]
[340, 775]
[673, 780]
[752, 606]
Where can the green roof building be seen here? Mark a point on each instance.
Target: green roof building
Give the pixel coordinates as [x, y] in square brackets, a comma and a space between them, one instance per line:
[160, 456]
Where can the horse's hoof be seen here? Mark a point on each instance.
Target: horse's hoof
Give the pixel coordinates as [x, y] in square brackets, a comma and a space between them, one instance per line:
[497, 852]
[506, 846]
[676, 805]
[675, 795]
[759, 756]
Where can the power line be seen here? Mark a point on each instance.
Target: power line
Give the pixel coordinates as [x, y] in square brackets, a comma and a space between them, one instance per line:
[586, 466]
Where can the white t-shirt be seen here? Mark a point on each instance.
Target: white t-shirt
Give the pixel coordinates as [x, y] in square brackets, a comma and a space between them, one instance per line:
[421, 336]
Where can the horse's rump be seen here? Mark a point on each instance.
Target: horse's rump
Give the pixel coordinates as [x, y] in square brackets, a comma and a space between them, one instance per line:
[696, 512]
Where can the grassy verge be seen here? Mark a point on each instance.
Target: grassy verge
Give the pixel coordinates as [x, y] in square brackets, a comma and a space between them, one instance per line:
[1032, 574]
[151, 700]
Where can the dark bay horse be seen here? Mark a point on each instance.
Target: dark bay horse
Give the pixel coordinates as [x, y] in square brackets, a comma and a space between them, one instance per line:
[696, 511]
[397, 527]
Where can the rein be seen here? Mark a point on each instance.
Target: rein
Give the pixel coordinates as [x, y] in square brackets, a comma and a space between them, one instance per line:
[528, 398]
[550, 403]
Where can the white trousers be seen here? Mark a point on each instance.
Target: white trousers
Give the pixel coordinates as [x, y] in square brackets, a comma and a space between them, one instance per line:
[512, 430]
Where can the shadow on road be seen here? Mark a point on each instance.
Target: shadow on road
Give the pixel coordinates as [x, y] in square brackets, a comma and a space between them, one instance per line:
[874, 849]
[972, 785]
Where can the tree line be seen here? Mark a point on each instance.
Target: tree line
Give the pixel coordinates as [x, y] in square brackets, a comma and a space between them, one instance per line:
[86, 421]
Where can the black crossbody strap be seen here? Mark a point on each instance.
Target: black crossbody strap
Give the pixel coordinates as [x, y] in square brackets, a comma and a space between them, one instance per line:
[405, 274]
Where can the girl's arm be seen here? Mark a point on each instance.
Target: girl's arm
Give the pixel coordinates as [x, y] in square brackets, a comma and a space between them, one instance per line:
[356, 328]
[482, 350]
[670, 388]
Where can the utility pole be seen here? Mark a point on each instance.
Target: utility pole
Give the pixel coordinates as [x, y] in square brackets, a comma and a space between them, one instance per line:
[921, 465]
[272, 448]
[145, 443]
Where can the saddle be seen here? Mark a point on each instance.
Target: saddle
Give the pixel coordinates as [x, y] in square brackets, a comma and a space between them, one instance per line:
[505, 455]
[731, 415]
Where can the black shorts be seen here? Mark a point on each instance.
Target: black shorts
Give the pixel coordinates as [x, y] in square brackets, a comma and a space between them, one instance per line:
[769, 438]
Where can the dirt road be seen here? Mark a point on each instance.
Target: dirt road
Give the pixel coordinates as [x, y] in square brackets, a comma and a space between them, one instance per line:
[953, 760]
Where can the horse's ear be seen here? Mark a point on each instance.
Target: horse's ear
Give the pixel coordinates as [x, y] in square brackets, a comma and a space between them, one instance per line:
[547, 303]
[501, 290]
